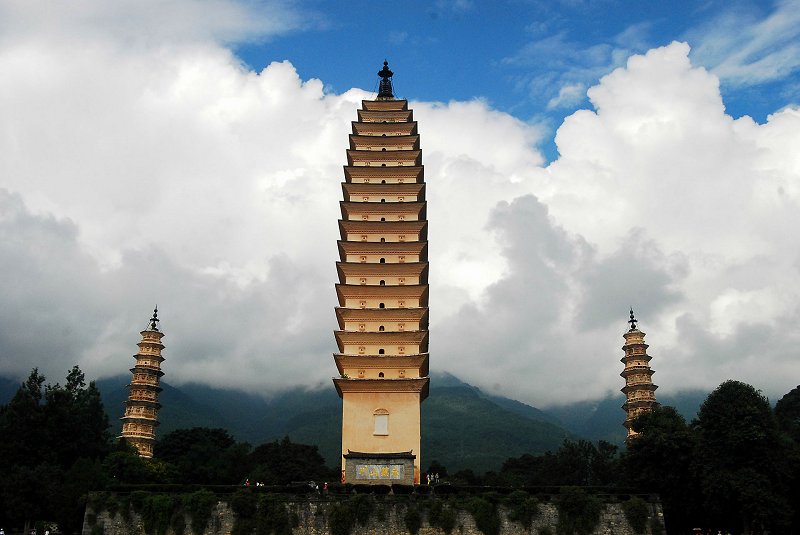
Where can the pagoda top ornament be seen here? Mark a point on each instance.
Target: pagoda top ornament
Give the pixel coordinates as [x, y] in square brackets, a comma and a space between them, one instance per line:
[154, 321]
[632, 321]
[385, 91]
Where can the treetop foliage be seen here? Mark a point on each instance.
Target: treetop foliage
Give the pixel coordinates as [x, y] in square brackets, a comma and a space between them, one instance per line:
[735, 468]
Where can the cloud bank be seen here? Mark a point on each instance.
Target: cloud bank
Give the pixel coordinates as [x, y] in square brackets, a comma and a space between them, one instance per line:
[152, 167]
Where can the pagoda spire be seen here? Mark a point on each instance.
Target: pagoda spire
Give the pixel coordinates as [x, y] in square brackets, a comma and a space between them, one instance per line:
[154, 320]
[639, 390]
[141, 409]
[385, 90]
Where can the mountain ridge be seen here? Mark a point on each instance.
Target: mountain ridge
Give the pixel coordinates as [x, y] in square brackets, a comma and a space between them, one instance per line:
[462, 426]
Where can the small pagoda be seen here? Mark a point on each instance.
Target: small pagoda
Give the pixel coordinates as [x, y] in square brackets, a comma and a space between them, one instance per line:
[383, 294]
[141, 409]
[639, 390]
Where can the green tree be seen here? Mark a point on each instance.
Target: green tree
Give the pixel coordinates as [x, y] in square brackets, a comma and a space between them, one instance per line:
[741, 460]
[51, 433]
[279, 463]
[787, 411]
[124, 466]
[22, 423]
[659, 460]
[201, 455]
[575, 463]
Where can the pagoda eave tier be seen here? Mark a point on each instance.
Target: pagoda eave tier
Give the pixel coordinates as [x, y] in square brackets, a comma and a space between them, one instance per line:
[394, 174]
[387, 337]
[153, 340]
[377, 143]
[347, 247]
[142, 403]
[149, 343]
[150, 370]
[352, 190]
[641, 402]
[627, 358]
[381, 314]
[384, 129]
[640, 386]
[351, 209]
[145, 386]
[637, 342]
[418, 228]
[136, 436]
[637, 370]
[352, 291]
[370, 386]
[357, 269]
[418, 361]
[385, 116]
[377, 105]
[141, 419]
[393, 157]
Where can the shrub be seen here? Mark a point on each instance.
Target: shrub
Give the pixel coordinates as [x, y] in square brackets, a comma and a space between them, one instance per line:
[578, 512]
[522, 508]
[199, 505]
[178, 524]
[245, 505]
[485, 514]
[361, 506]
[104, 501]
[137, 499]
[344, 515]
[636, 511]
[125, 508]
[272, 517]
[156, 511]
[412, 520]
[442, 517]
[656, 527]
[340, 521]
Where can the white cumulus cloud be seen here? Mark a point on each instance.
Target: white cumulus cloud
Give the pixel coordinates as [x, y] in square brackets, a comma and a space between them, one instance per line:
[142, 164]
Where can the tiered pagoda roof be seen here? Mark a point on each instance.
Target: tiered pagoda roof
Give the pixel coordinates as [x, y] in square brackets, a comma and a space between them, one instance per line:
[383, 280]
[141, 409]
[639, 390]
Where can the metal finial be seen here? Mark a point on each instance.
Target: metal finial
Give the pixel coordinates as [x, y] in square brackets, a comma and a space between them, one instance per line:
[632, 321]
[154, 320]
[385, 88]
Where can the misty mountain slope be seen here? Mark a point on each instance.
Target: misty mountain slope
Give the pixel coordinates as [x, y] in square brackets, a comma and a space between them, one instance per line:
[602, 419]
[178, 410]
[461, 429]
[8, 387]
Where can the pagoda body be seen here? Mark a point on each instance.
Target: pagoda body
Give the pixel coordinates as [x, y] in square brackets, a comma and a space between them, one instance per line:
[383, 294]
[141, 409]
[639, 390]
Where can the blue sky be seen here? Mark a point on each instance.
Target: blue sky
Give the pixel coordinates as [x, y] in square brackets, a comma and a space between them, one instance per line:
[581, 158]
[521, 55]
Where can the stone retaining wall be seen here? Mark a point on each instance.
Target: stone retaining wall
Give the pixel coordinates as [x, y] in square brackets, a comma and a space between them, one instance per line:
[311, 517]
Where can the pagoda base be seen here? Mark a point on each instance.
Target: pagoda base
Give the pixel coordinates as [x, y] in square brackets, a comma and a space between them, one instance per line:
[379, 468]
